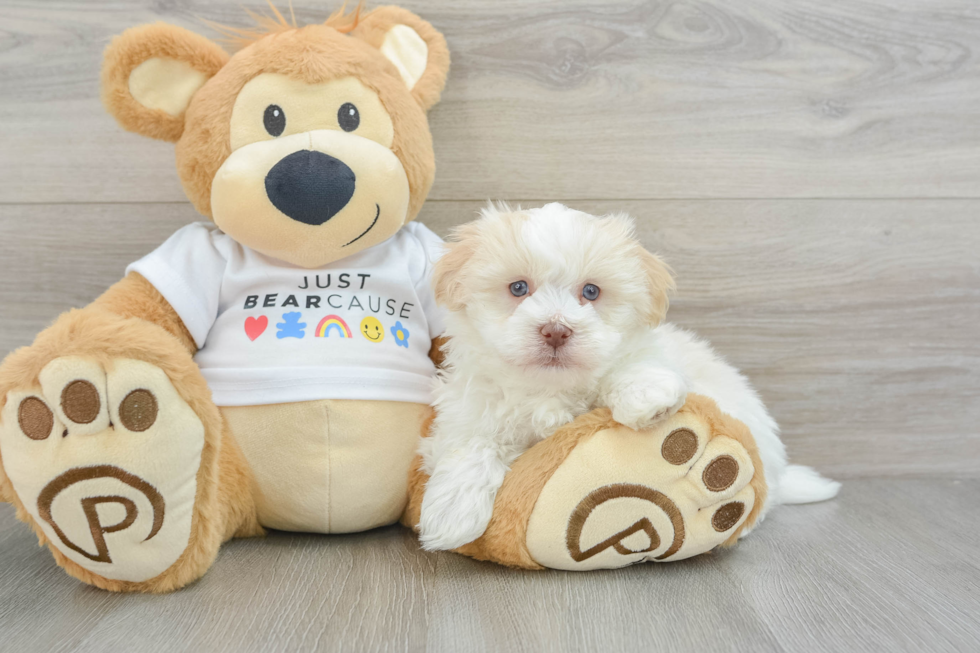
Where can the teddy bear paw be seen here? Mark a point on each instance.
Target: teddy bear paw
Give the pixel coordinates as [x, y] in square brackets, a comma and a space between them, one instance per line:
[105, 461]
[624, 496]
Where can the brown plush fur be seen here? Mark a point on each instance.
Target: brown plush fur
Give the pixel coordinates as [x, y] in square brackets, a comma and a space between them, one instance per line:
[436, 352]
[314, 54]
[266, 24]
[372, 29]
[133, 47]
[134, 296]
[223, 505]
[505, 540]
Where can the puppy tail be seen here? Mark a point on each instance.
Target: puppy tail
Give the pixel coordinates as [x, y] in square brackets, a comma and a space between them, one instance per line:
[801, 484]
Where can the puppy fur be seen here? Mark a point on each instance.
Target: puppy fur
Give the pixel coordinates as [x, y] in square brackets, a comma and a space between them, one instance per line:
[505, 386]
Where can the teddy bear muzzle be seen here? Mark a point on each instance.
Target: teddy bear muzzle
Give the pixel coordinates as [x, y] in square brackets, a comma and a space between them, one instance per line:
[310, 186]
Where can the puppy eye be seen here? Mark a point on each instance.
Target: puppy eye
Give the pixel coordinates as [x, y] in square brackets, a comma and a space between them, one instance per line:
[518, 288]
[348, 117]
[274, 119]
[590, 292]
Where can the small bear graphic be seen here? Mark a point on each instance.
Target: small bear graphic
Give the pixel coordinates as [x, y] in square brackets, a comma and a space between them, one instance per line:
[291, 327]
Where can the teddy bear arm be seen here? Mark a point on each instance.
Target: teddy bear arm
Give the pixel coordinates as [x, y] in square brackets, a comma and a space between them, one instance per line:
[134, 296]
[436, 353]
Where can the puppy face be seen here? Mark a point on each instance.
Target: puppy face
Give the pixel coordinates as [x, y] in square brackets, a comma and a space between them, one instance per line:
[551, 291]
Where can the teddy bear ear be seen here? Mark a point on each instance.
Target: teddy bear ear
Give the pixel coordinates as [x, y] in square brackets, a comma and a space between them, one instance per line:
[151, 72]
[413, 46]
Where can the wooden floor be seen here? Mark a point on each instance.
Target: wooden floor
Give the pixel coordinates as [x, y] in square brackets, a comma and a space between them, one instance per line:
[890, 566]
[811, 170]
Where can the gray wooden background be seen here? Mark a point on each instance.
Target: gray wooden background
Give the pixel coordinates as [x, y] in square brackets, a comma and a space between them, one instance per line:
[810, 168]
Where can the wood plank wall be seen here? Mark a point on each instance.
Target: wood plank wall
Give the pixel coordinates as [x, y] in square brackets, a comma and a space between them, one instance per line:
[811, 169]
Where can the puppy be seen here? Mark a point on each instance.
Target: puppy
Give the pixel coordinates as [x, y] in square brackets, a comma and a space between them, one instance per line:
[551, 313]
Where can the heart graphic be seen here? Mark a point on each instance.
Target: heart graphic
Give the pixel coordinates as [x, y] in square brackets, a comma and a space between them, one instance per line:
[255, 326]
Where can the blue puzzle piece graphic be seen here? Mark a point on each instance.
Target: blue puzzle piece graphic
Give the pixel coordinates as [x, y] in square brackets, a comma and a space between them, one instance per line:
[291, 327]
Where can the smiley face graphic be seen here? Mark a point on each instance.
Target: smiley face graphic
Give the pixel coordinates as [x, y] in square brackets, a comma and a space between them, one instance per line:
[372, 330]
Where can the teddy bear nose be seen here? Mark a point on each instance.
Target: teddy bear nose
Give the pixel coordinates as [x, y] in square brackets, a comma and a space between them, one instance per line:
[309, 186]
[555, 334]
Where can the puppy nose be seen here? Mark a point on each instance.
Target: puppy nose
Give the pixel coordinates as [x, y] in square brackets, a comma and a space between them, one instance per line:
[309, 186]
[555, 335]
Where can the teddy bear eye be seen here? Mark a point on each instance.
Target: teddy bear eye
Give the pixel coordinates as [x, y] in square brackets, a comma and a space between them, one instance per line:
[274, 119]
[590, 292]
[348, 117]
[518, 288]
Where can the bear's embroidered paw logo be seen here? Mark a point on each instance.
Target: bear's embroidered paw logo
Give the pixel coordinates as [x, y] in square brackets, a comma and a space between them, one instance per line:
[90, 507]
[291, 327]
[580, 515]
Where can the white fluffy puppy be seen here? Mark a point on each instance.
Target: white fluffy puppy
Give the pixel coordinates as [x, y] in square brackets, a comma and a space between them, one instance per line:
[554, 312]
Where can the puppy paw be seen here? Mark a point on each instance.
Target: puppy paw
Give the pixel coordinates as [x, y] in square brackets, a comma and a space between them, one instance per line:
[549, 414]
[645, 401]
[452, 517]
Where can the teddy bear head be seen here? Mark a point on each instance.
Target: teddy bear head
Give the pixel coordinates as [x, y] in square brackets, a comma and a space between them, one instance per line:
[308, 144]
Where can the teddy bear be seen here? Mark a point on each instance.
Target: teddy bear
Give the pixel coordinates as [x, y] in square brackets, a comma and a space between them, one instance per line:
[271, 367]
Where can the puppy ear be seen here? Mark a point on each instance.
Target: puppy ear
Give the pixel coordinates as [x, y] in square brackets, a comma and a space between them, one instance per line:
[151, 72]
[660, 283]
[447, 274]
[413, 46]
[656, 273]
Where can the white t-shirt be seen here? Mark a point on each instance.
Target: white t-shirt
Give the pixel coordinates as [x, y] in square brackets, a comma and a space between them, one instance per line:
[269, 332]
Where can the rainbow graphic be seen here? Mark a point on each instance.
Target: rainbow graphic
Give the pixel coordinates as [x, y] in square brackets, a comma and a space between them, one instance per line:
[329, 323]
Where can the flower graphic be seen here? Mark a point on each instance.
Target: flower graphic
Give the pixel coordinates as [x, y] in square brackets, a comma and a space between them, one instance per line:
[401, 335]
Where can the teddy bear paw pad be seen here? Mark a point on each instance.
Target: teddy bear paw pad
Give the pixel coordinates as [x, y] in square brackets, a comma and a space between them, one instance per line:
[624, 496]
[105, 461]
